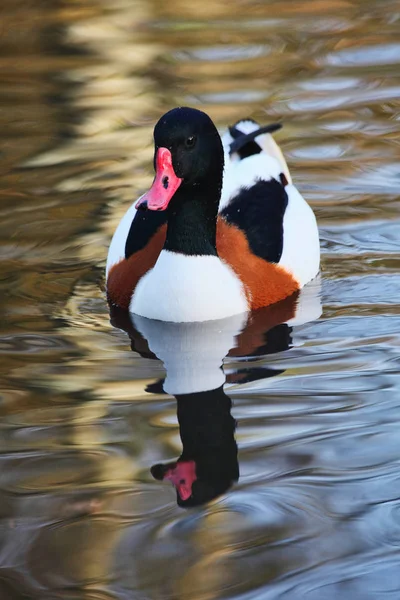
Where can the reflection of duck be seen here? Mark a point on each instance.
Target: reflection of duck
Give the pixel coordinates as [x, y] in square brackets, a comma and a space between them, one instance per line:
[208, 465]
[177, 261]
[192, 354]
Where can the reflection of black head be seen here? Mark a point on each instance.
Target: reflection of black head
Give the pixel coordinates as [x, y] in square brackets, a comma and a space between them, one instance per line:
[207, 433]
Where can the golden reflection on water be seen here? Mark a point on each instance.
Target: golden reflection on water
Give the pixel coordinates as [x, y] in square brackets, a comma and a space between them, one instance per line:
[82, 84]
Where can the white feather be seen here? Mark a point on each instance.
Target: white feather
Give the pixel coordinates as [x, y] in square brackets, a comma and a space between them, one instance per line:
[183, 288]
[246, 172]
[116, 252]
[271, 148]
[265, 141]
[301, 252]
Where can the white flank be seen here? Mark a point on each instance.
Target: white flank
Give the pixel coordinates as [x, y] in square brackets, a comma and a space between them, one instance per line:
[301, 253]
[116, 251]
[192, 353]
[184, 289]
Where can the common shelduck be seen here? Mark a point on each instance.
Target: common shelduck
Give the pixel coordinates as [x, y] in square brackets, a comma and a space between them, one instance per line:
[210, 243]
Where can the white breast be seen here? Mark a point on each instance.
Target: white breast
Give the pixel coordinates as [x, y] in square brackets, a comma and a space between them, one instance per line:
[183, 288]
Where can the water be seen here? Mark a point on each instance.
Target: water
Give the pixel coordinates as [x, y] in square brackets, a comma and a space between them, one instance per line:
[315, 513]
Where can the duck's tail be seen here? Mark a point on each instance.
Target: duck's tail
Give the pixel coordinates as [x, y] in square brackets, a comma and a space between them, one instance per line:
[246, 138]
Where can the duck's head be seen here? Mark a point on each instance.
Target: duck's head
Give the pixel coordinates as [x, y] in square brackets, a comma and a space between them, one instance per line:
[188, 154]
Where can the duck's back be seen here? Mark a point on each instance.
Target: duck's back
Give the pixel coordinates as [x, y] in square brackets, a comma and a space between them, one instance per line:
[266, 230]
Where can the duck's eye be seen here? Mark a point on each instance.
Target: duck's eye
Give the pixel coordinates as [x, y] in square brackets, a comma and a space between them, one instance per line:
[190, 141]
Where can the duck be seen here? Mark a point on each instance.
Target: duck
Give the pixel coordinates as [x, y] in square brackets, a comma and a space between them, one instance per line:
[222, 230]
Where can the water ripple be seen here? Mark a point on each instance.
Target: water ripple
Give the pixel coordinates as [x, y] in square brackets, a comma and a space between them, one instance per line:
[315, 511]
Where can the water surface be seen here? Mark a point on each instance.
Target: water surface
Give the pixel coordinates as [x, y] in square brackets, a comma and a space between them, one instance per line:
[315, 511]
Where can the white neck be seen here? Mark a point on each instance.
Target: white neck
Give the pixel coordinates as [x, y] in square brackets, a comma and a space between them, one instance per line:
[182, 288]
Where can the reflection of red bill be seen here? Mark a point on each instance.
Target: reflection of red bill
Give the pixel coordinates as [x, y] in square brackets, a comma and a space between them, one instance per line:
[182, 475]
[164, 185]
